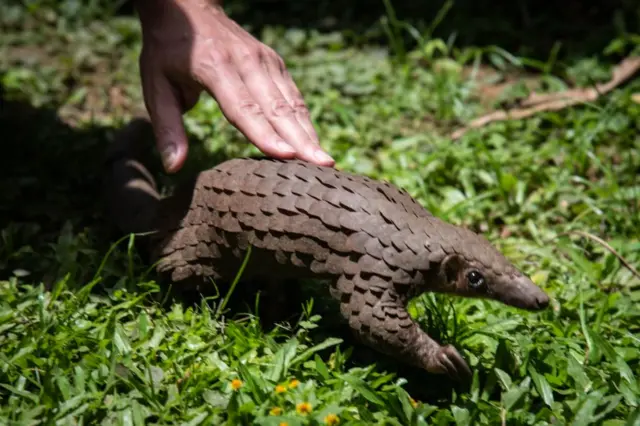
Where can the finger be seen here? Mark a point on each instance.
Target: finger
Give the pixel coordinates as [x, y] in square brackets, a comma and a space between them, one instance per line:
[254, 73]
[165, 111]
[284, 82]
[221, 80]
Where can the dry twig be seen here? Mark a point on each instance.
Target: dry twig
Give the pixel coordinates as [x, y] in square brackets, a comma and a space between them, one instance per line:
[555, 101]
[606, 245]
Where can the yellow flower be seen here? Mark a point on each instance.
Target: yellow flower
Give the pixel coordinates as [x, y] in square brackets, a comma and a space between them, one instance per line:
[303, 408]
[293, 383]
[413, 402]
[187, 374]
[275, 411]
[280, 389]
[331, 419]
[283, 424]
[236, 384]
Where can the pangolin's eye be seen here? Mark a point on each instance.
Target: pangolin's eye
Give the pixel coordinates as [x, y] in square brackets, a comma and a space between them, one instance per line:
[475, 278]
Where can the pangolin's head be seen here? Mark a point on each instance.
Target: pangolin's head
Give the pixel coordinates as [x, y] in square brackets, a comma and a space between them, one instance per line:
[473, 267]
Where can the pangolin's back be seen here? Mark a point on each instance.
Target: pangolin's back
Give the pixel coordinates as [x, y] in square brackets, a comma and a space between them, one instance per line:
[301, 219]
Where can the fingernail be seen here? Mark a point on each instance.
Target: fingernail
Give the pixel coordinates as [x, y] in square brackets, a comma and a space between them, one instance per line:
[169, 155]
[322, 156]
[283, 146]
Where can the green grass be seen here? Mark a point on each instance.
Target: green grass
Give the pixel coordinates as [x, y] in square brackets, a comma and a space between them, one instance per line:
[88, 337]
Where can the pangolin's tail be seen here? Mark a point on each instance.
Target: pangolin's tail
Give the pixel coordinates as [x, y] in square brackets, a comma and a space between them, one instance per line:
[131, 194]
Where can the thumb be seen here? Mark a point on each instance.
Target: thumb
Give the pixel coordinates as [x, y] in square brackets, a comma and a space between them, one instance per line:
[165, 111]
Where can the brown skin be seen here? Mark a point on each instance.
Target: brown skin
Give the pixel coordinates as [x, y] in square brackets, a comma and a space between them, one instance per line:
[191, 46]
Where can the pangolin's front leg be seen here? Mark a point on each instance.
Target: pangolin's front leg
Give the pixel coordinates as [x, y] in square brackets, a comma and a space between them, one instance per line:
[379, 319]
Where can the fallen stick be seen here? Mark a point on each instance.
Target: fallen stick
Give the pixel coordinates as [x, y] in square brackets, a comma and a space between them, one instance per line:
[536, 102]
[607, 246]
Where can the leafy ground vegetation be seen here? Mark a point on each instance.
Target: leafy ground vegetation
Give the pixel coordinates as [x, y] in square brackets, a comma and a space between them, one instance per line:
[87, 336]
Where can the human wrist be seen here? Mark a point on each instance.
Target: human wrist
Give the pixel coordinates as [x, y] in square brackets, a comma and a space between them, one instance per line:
[152, 9]
[155, 15]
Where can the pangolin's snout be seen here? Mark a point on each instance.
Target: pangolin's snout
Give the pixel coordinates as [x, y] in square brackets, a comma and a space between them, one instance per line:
[523, 293]
[542, 300]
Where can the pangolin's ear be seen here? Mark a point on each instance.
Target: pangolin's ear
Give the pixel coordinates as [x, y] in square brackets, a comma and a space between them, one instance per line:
[451, 266]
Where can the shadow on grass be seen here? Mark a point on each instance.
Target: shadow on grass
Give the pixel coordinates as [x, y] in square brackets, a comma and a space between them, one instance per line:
[523, 27]
[51, 180]
[48, 178]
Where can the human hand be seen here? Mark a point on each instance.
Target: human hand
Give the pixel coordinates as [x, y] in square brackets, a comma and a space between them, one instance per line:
[190, 46]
